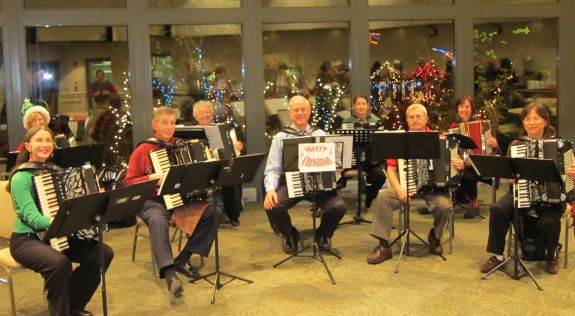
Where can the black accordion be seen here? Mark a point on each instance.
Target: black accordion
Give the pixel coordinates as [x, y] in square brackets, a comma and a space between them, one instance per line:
[423, 174]
[299, 183]
[54, 188]
[561, 152]
[191, 151]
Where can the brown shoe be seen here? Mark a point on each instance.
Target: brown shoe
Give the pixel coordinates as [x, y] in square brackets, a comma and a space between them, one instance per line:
[491, 264]
[379, 255]
[435, 246]
[552, 262]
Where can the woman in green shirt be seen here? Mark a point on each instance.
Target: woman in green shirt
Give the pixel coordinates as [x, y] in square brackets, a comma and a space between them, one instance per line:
[68, 291]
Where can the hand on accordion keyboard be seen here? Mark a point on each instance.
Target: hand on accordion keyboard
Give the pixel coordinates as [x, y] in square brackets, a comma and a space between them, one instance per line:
[457, 163]
[570, 172]
[492, 142]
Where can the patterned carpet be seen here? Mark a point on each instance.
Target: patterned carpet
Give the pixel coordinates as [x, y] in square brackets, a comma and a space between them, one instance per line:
[425, 284]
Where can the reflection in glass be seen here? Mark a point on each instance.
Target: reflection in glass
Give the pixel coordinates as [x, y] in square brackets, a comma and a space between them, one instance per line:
[311, 59]
[412, 62]
[408, 2]
[303, 3]
[512, 1]
[199, 62]
[80, 74]
[195, 4]
[73, 4]
[515, 64]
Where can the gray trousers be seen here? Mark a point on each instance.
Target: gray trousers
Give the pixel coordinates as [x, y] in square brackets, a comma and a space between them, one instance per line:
[155, 215]
[387, 201]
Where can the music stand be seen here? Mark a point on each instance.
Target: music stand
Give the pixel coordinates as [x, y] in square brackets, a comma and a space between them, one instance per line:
[189, 132]
[241, 169]
[78, 156]
[99, 208]
[290, 152]
[361, 142]
[410, 145]
[531, 169]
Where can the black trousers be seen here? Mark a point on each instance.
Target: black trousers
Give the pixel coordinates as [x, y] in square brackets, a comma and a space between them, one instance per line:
[502, 215]
[66, 288]
[232, 198]
[468, 184]
[333, 206]
[376, 177]
[155, 215]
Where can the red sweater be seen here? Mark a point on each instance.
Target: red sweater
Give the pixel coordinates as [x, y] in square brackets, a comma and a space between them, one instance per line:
[140, 166]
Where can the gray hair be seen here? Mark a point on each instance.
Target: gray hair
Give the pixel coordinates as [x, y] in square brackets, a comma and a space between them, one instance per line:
[416, 106]
[201, 103]
[296, 99]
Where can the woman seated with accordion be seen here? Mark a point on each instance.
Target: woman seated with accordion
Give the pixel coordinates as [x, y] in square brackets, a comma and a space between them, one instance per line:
[536, 136]
[480, 131]
[67, 290]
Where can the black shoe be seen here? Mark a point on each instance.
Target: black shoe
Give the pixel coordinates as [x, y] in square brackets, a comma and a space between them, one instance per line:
[80, 312]
[291, 244]
[323, 242]
[423, 210]
[235, 222]
[175, 286]
[435, 246]
[187, 270]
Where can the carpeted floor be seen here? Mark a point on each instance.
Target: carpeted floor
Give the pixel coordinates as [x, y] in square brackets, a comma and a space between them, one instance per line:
[425, 285]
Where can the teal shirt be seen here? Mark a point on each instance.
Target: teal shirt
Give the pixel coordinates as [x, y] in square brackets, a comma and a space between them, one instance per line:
[29, 218]
[352, 118]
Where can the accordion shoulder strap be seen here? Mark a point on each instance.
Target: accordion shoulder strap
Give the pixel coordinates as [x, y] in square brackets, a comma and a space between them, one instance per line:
[37, 166]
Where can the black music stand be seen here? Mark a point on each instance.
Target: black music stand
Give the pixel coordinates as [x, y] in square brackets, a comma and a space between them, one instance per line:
[78, 156]
[190, 132]
[361, 142]
[241, 169]
[98, 209]
[410, 145]
[291, 153]
[531, 169]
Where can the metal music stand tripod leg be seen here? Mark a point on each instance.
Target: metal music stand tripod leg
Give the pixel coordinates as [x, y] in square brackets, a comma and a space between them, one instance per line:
[516, 259]
[357, 218]
[217, 273]
[314, 245]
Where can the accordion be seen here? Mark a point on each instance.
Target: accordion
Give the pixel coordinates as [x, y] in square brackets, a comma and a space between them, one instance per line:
[189, 152]
[479, 131]
[54, 188]
[423, 174]
[299, 183]
[527, 192]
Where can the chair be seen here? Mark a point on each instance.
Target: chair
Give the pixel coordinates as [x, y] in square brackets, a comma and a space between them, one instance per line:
[8, 264]
[569, 223]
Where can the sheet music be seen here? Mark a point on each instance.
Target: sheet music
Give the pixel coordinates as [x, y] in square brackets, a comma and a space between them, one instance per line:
[214, 137]
[343, 149]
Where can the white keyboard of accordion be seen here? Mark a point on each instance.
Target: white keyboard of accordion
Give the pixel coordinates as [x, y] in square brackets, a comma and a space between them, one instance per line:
[47, 194]
[294, 184]
[160, 160]
[173, 200]
[406, 180]
[60, 244]
[521, 189]
[568, 162]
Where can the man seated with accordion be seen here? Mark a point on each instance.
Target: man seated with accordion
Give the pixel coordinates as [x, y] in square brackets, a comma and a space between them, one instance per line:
[537, 140]
[155, 211]
[277, 202]
[68, 290]
[437, 199]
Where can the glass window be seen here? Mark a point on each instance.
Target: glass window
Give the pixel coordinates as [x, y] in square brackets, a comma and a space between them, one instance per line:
[515, 63]
[199, 62]
[303, 3]
[412, 62]
[195, 4]
[73, 4]
[3, 110]
[408, 2]
[310, 59]
[512, 1]
[80, 74]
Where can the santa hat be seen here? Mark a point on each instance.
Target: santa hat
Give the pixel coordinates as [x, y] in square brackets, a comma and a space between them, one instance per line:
[36, 109]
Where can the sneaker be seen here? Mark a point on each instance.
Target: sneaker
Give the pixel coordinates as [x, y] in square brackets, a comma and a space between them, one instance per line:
[491, 264]
[175, 286]
[435, 246]
[379, 255]
[552, 261]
